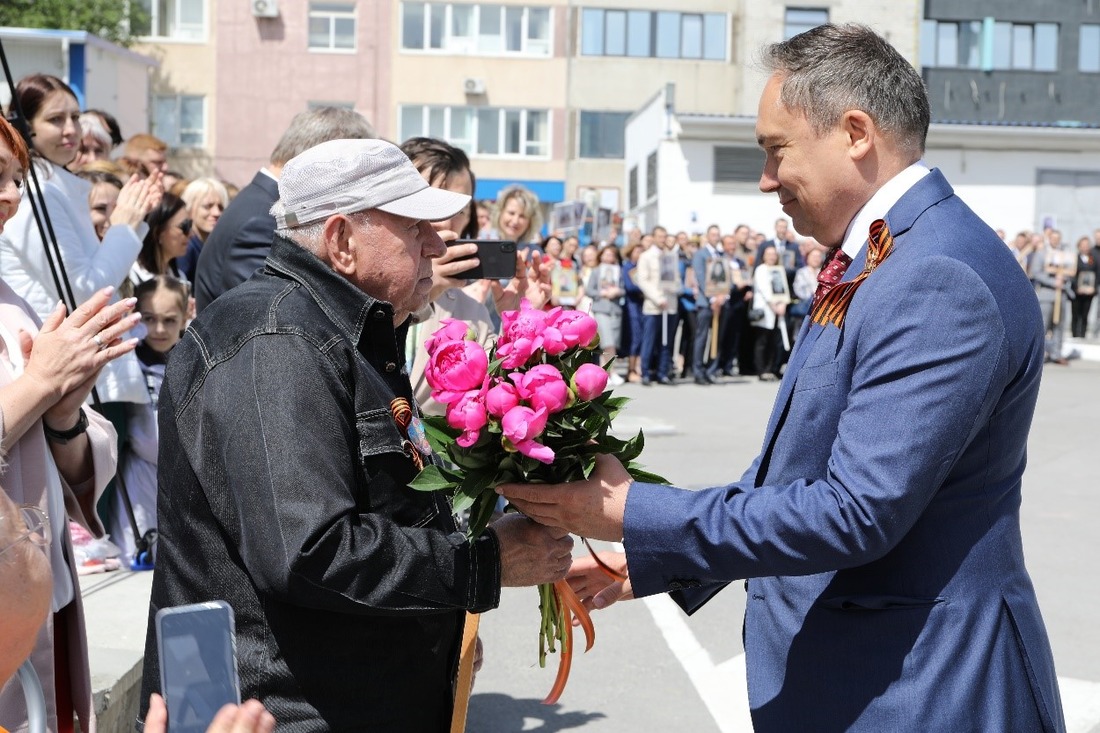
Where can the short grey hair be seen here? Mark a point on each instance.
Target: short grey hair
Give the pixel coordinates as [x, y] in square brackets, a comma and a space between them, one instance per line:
[831, 69]
[316, 126]
[310, 236]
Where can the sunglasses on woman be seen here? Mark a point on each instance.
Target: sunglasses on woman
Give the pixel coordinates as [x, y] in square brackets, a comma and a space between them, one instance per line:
[185, 226]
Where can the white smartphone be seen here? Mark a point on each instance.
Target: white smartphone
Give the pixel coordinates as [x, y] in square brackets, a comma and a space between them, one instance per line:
[198, 663]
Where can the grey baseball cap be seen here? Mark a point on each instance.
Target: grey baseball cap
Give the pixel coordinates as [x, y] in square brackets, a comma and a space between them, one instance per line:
[345, 176]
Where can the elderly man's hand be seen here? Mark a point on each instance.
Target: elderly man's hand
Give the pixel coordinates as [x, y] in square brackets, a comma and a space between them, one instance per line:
[445, 269]
[592, 508]
[592, 583]
[531, 554]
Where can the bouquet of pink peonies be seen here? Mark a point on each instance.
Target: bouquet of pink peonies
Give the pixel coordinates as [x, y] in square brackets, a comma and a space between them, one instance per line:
[534, 409]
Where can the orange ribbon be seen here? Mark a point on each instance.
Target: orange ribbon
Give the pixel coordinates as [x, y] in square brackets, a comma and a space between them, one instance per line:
[833, 307]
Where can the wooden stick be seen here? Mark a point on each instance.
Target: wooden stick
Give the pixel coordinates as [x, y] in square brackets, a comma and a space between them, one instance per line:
[713, 333]
[464, 687]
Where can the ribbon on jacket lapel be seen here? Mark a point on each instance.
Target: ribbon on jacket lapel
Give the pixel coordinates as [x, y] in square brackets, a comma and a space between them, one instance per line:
[833, 307]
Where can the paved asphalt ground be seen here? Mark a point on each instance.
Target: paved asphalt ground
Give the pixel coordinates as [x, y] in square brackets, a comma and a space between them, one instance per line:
[654, 669]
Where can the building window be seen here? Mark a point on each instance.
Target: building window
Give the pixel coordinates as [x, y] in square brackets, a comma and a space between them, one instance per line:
[481, 131]
[475, 30]
[951, 45]
[176, 20]
[736, 166]
[651, 176]
[1088, 52]
[1025, 46]
[180, 120]
[632, 185]
[602, 134]
[332, 27]
[1011, 46]
[648, 34]
[800, 20]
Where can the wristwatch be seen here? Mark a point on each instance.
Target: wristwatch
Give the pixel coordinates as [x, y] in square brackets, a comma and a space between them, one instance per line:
[64, 436]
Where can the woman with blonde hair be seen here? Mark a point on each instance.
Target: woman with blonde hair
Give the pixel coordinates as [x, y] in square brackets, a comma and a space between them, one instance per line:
[205, 199]
[518, 217]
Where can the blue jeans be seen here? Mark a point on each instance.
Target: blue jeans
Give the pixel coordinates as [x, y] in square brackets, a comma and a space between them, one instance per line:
[653, 347]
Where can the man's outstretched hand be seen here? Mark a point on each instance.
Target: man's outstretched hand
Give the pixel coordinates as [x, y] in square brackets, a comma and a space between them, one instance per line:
[591, 508]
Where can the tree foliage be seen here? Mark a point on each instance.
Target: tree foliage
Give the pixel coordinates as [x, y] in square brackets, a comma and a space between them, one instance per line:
[115, 20]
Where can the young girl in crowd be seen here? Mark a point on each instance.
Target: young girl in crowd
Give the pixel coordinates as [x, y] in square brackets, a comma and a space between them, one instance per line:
[162, 302]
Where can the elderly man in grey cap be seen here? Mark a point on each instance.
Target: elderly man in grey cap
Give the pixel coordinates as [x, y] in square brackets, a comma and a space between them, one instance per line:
[286, 454]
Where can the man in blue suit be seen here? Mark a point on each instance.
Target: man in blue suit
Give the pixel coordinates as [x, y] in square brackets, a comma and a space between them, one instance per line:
[879, 526]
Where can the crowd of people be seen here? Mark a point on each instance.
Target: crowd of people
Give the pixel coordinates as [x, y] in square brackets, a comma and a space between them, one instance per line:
[338, 237]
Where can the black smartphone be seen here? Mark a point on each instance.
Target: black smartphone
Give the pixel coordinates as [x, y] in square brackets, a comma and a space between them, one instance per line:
[498, 259]
[198, 663]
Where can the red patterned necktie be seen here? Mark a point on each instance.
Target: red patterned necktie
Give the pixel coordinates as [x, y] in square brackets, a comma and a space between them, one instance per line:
[836, 264]
[833, 297]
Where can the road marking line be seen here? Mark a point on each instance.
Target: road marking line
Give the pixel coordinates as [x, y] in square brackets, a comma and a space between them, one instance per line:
[723, 687]
[1081, 704]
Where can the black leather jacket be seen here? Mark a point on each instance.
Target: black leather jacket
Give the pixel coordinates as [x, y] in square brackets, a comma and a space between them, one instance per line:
[283, 490]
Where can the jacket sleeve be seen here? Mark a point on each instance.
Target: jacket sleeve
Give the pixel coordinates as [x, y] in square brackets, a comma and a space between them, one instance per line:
[648, 279]
[91, 265]
[869, 498]
[303, 496]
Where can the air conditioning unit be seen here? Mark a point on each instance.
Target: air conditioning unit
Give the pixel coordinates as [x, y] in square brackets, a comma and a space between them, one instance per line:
[473, 86]
[265, 8]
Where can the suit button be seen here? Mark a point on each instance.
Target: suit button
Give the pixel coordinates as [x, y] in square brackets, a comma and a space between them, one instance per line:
[675, 585]
[379, 315]
[390, 366]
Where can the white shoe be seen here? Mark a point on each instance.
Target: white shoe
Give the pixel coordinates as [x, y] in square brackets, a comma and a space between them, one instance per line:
[614, 380]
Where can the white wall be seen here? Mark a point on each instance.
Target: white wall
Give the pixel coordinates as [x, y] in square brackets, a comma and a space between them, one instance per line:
[689, 202]
[1000, 186]
[118, 84]
[644, 132]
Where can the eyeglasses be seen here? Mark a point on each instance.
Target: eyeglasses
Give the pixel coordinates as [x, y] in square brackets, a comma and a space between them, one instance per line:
[185, 226]
[38, 528]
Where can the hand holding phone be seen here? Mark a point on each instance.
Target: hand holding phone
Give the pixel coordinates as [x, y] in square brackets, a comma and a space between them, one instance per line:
[198, 663]
[497, 259]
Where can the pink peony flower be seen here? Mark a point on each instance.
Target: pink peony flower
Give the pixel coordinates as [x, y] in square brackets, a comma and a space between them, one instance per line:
[456, 368]
[576, 327]
[536, 450]
[501, 398]
[451, 330]
[467, 413]
[521, 334]
[589, 381]
[543, 386]
[522, 423]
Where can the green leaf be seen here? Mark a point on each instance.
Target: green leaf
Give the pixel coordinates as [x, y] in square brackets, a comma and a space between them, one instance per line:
[633, 448]
[640, 474]
[441, 436]
[432, 478]
[481, 513]
[461, 501]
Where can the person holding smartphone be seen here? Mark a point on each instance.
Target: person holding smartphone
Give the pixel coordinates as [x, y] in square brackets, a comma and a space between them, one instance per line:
[444, 166]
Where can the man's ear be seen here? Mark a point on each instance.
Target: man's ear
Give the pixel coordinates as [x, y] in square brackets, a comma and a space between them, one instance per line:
[336, 236]
[861, 132]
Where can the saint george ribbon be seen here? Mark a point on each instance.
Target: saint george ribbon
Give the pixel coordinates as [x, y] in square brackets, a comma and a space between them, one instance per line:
[833, 298]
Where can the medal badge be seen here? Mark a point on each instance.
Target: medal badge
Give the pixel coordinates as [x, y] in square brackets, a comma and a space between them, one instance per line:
[417, 446]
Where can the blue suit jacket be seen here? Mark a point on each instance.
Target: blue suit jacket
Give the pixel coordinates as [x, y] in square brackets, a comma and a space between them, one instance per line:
[887, 585]
[240, 243]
